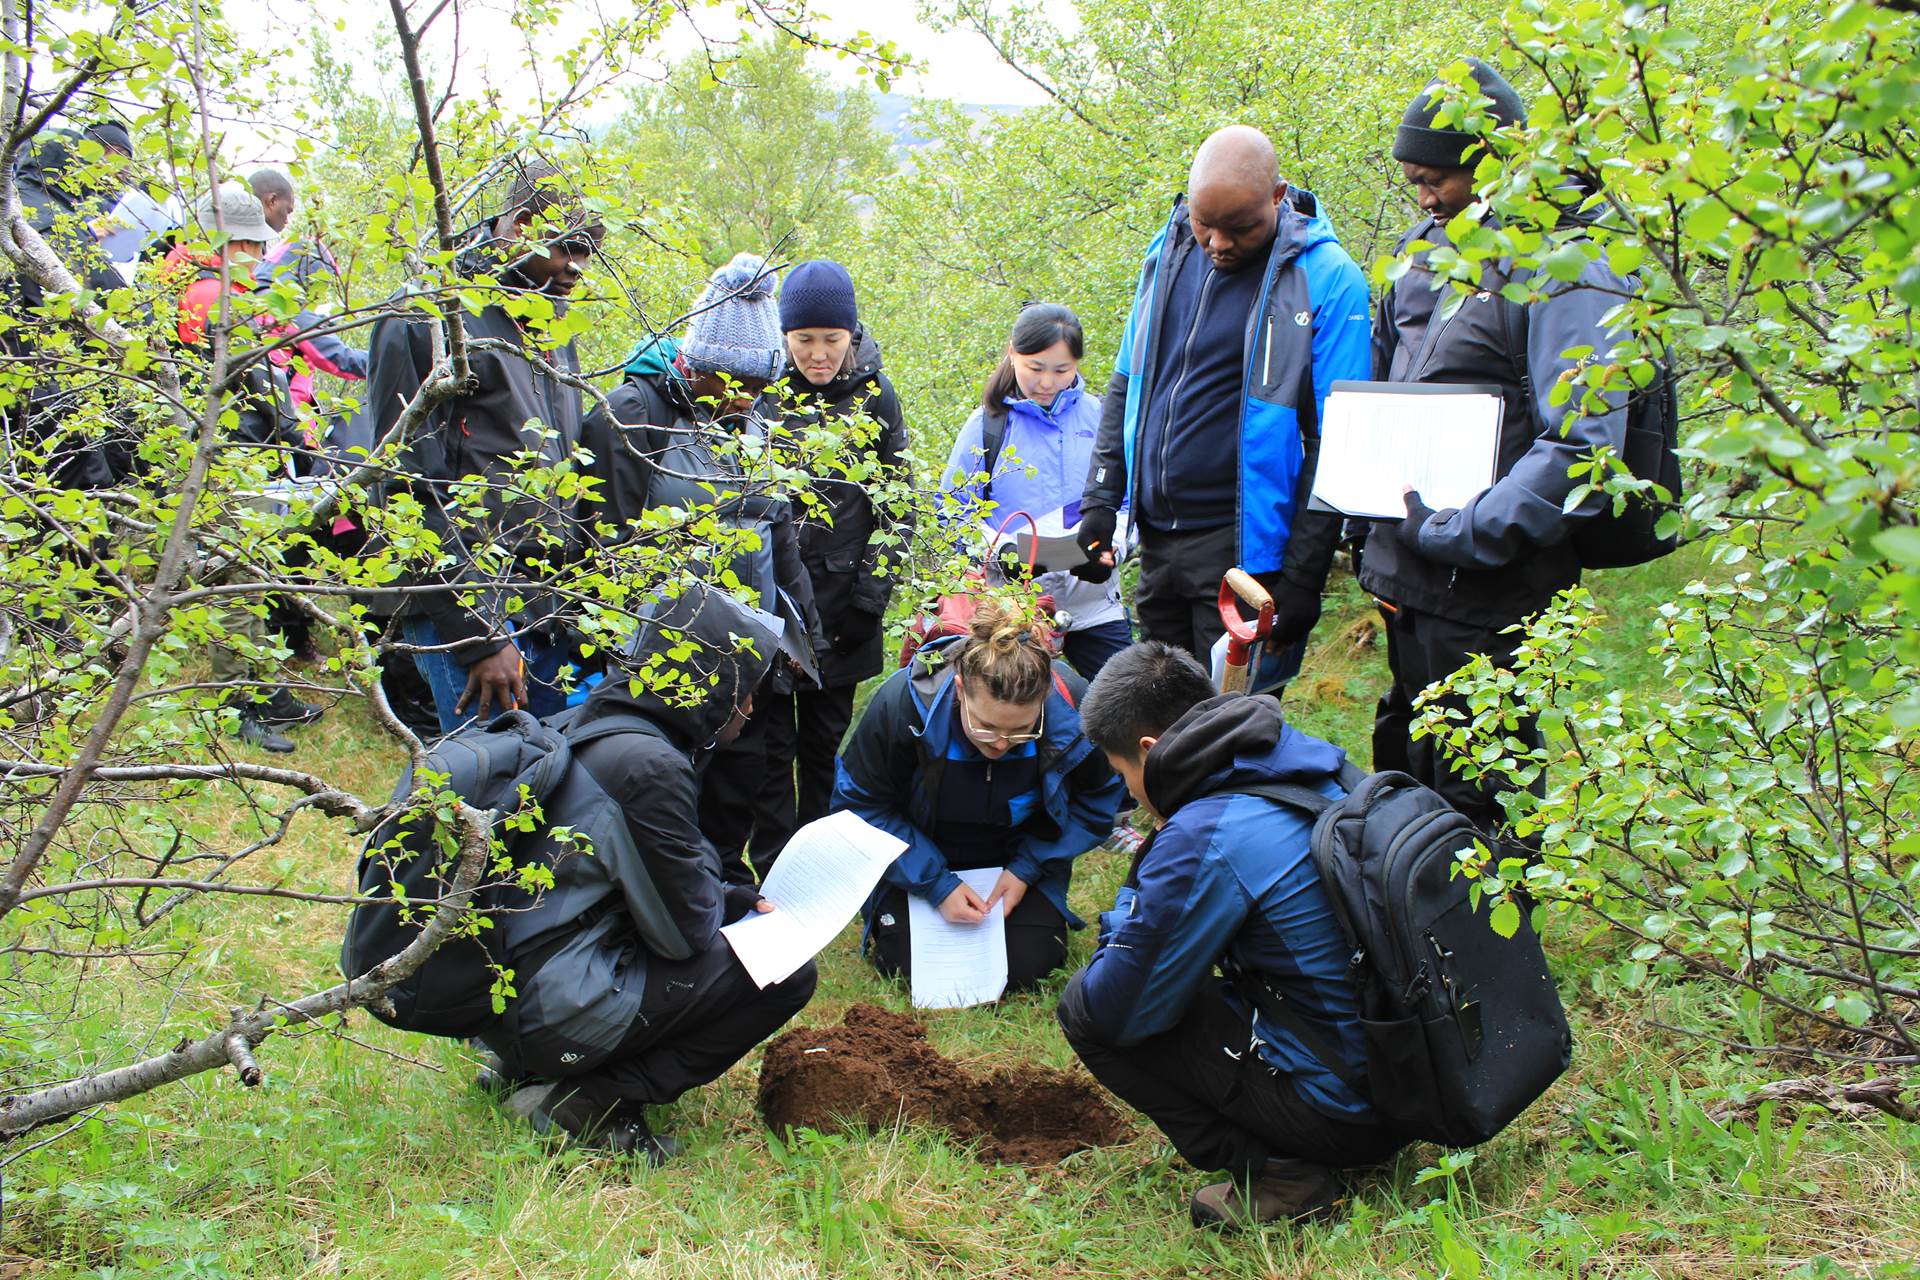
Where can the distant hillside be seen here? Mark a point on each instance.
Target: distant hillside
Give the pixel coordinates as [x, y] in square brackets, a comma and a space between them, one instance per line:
[891, 111]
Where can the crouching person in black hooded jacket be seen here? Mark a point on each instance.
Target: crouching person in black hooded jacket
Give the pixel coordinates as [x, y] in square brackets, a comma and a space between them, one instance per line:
[626, 994]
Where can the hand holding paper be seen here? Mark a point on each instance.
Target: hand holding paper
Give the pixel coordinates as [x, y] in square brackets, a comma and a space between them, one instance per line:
[821, 878]
[1380, 438]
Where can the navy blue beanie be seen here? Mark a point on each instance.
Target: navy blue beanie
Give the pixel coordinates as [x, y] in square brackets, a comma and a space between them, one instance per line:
[818, 295]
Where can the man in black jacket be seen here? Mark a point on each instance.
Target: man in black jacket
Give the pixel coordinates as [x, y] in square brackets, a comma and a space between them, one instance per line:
[614, 1010]
[480, 658]
[70, 179]
[1451, 582]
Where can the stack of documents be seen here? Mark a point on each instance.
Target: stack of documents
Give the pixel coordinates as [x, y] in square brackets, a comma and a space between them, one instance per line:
[1379, 438]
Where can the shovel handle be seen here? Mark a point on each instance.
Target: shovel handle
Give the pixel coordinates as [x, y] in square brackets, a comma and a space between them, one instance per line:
[1248, 588]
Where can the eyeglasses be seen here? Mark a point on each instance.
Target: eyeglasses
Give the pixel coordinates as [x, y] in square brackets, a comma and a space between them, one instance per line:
[995, 735]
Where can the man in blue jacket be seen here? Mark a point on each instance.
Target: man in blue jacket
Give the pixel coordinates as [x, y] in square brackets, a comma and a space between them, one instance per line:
[1227, 882]
[1246, 312]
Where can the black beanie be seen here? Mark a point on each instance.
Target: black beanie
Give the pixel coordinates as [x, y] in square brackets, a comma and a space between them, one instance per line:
[1418, 142]
[818, 295]
[110, 134]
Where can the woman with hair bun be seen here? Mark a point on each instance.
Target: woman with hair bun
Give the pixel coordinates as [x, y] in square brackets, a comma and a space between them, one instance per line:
[973, 755]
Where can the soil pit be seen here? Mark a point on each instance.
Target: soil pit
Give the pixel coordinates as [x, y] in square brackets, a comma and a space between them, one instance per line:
[876, 1068]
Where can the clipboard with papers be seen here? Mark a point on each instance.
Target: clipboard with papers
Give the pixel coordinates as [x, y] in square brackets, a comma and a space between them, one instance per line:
[1378, 437]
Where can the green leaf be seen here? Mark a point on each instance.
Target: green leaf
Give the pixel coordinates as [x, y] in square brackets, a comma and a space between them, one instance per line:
[1901, 545]
[1505, 918]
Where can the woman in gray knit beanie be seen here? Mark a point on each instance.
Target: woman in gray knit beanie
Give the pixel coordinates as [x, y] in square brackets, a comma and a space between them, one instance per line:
[735, 328]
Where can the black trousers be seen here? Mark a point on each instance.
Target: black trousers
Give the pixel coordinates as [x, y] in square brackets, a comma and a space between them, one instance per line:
[1218, 1102]
[730, 789]
[804, 732]
[1423, 648]
[698, 1017]
[1036, 939]
[1178, 602]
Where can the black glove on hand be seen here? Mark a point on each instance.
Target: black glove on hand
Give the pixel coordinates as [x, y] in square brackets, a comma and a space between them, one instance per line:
[1295, 610]
[1096, 531]
[737, 902]
[1092, 571]
[1409, 531]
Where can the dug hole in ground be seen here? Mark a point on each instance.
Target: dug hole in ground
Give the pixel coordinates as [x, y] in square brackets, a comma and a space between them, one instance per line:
[875, 1069]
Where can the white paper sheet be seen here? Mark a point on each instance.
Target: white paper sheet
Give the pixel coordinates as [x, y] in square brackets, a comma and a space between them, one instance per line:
[817, 884]
[1059, 537]
[1375, 442]
[956, 965]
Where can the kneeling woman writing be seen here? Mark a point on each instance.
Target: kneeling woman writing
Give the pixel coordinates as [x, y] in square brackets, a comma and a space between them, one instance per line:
[973, 755]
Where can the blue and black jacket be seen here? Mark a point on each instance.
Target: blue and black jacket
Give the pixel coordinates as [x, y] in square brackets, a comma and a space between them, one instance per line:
[1308, 328]
[1229, 881]
[890, 774]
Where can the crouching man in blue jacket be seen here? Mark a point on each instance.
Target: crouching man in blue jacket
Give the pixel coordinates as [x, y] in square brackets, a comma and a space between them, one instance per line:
[1227, 883]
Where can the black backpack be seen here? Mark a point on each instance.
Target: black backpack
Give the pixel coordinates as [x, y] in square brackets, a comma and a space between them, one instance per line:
[1610, 539]
[452, 993]
[1463, 1028]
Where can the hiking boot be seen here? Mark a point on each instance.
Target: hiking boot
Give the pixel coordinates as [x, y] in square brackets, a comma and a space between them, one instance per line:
[492, 1076]
[256, 732]
[281, 707]
[1283, 1191]
[555, 1110]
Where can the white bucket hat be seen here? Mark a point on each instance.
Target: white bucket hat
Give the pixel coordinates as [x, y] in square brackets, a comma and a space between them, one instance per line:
[241, 216]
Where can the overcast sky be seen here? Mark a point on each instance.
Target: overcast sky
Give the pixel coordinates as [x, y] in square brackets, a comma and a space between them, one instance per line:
[962, 67]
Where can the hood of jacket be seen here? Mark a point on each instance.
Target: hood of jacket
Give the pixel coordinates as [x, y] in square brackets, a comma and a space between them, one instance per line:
[1228, 742]
[652, 361]
[696, 659]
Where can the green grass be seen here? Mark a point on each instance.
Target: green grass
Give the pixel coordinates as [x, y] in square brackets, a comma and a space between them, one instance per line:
[378, 1159]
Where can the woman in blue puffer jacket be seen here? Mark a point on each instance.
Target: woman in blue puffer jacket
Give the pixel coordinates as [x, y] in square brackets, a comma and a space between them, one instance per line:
[1047, 421]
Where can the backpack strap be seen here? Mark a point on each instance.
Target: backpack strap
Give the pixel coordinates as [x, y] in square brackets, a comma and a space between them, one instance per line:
[993, 438]
[1060, 683]
[1296, 795]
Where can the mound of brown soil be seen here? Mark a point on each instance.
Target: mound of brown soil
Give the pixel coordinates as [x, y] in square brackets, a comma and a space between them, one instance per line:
[876, 1069]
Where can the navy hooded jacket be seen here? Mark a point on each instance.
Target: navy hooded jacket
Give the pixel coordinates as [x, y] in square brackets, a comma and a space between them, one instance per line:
[1230, 877]
[890, 773]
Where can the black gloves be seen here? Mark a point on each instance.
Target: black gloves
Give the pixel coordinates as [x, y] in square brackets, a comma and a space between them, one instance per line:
[1295, 610]
[1092, 571]
[737, 902]
[1096, 531]
[1409, 531]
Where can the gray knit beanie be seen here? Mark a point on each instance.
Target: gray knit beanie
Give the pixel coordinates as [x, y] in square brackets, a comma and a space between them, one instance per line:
[736, 323]
[1418, 142]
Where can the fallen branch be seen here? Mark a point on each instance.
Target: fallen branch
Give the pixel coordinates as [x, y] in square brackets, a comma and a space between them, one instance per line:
[22, 1112]
[1865, 1100]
